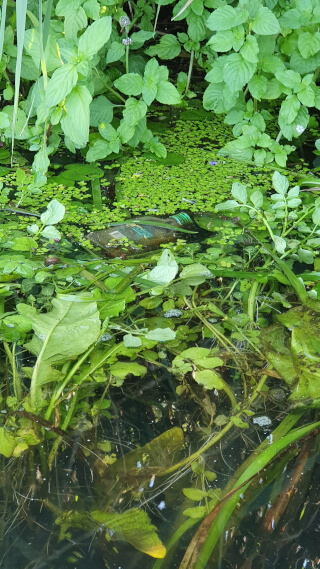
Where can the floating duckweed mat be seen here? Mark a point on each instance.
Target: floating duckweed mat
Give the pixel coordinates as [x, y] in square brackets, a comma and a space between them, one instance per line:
[192, 177]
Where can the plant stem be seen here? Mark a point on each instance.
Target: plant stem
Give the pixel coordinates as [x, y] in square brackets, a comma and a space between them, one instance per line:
[252, 300]
[190, 71]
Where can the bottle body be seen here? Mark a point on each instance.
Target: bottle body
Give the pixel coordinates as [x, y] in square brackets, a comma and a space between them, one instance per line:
[134, 236]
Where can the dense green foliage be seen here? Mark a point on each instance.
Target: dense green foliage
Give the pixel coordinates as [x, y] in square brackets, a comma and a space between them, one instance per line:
[90, 73]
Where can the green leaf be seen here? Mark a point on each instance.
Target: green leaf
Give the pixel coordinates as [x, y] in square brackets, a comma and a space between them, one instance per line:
[213, 98]
[308, 43]
[209, 379]
[165, 271]
[167, 48]
[226, 18]
[122, 369]
[239, 192]
[161, 334]
[132, 526]
[257, 198]
[195, 513]
[197, 29]
[250, 50]
[222, 41]
[239, 423]
[7, 442]
[168, 94]
[289, 78]
[316, 216]
[95, 37]
[130, 341]
[54, 213]
[116, 51]
[305, 256]
[99, 150]
[265, 22]
[280, 183]
[258, 86]
[289, 109]
[280, 244]
[101, 111]
[75, 123]
[194, 494]
[61, 84]
[60, 335]
[195, 270]
[306, 95]
[130, 84]
[51, 232]
[151, 80]
[134, 111]
[259, 156]
[229, 204]
[237, 71]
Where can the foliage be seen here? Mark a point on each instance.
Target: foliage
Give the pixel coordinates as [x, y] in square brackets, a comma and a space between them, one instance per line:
[87, 76]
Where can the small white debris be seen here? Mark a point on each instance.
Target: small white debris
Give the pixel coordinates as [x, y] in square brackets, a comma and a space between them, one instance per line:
[263, 421]
[300, 129]
[162, 505]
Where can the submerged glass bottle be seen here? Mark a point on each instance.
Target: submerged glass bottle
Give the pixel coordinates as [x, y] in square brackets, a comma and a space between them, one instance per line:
[137, 235]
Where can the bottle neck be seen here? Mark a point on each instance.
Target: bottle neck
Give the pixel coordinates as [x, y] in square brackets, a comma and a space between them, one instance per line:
[182, 219]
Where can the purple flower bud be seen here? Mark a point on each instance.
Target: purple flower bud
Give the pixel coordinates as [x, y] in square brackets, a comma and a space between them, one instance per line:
[127, 41]
[213, 163]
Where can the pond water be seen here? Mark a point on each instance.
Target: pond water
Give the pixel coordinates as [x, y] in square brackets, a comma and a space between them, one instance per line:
[196, 462]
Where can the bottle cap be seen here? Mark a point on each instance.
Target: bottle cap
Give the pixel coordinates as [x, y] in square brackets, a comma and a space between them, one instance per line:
[182, 218]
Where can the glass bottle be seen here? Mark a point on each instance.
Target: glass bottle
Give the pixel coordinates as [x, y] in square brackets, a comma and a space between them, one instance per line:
[136, 235]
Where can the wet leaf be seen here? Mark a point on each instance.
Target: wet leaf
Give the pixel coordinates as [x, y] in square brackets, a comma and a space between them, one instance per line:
[194, 494]
[122, 369]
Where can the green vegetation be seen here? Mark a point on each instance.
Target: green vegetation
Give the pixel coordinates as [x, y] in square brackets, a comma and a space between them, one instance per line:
[213, 337]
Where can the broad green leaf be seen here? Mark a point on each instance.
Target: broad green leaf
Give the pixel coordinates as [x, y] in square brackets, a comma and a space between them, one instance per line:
[237, 72]
[239, 192]
[165, 271]
[213, 98]
[222, 41]
[54, 213]
[209, 379]
[157, 148]
[195, 270]
[167, 48]
[32, 46]
[257, 198]
[134, 527]
[280, 244]
[289, 109]
[134, 111]
[122, 369]
[111, 135]
[289, 78]
[51, 232]
[280, 183]
[161, 334]
[306, 95]
[130, 84]
[151, 80]
[61, 334]
[194, 494]
[309, 43]
[316, 216]
[61, 84]
[101, 111]
[265, 22]
[196, 512]
[250, 50]
[75, 123]
[95, 37]
[75, 20]
[291, 19]
[229, 204]
[115, 52]
[168, 94]
[259, 157]
[197, 30]
[4, 120]
[130, 341]
[99, 150]
[215, 75]
[7, 442]
[305, 256]
[225, 18]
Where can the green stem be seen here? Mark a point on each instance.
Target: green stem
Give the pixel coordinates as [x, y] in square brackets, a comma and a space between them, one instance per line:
[190, 71]
[157, 16]
[252, 300]
[279, 136]
[127, 58]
